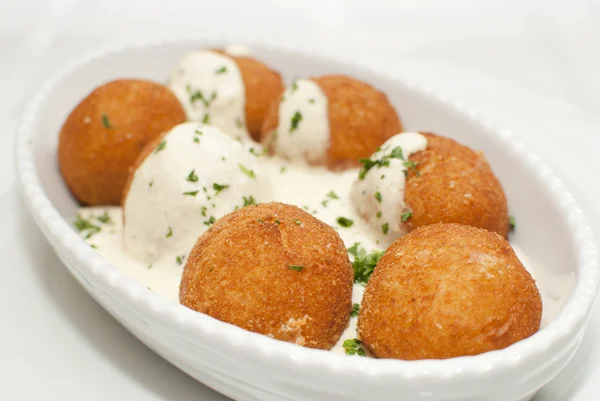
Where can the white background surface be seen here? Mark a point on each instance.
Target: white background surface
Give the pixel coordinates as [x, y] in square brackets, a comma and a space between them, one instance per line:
[534, 66]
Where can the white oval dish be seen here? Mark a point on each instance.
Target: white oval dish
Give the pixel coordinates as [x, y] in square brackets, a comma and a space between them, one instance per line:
[248, 366]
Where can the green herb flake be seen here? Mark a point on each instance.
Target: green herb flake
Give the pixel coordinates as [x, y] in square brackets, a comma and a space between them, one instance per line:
[324, 203]
[219, 187]
[160, 147]
[198, 95]
[355, 310]
[384, 161]
[198, 132]
[93, 246]
[238, 123]
[345, 222]
[277, 222]
[192, 177]
[332, 195]
[169, 233]
[295, 267]
[294, 86]
[196, 139]
[378, 196]
[364, 263]
[378, 215]
[203, 211]
[180, 259]
[282, 170]
[311, 100]
[352, 347]
[151, 183]
[397, 153]
[85, 227]
[297, 222]
[206, 119]
[385, 228]
[406, 216]
[191, 193]
[221, 70]
[249, 201]
[512, 223]
[254, 152]
[210, 221]
[104, 218]
[106, 122]
[247, 171]
[296, 118]
[410, 165]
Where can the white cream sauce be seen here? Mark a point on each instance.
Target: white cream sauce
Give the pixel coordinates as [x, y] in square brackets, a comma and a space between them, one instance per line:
[210, 88]
[378, 193]
[237, 50]
[324, 194]
[302, 134]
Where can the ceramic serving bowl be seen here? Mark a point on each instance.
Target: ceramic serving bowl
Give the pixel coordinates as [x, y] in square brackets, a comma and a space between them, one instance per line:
[246, 366]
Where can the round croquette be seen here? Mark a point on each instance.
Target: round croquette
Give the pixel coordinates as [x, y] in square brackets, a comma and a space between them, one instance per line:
[275, 270]
[105, 133]
[448, 290]
[454, 184]
[360, 119]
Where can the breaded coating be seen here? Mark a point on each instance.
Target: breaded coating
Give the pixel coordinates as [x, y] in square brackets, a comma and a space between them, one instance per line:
[105, 133]
[272, 269]
[360, 119]
[448, 290]
[454, 184]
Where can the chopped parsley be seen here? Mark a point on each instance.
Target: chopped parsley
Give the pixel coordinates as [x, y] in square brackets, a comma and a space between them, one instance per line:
[104, 218]
[247, 171]
[85, 227]
[384, 161]
[219, 187]
[410, 165]
[295, 267]
[210, 221]
[191, 193]
[282, 170]
[221, 70]
[249, 201]
[105, 122]
[355, 310]
[325, 202]
[378, 196]
[294, 86]
[254, 152]
[151, 183]
[206, 119]
[397, 153]
[345, 222]
[311, 100]
[406, 216]
[196, 139]
[180, 259]
[93, 246]
[364, 263]
[512, 224]
[169, 233]
[385, 228]
[160, 147]
[238, 123]
[332, 195]
[296, 118]
[297, 222]
[203, 211]
[352, 347]
[277, 222]
[198, 132]
[192, 177]
[378, 215]
[198, 95]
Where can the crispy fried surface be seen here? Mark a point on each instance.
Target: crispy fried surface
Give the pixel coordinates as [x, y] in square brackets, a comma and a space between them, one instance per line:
[448, 290]
[238, 273]
[360, 120]
[105, 133]
[455, 185]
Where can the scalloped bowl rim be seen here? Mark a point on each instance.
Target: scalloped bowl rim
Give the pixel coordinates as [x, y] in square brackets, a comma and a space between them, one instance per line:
[573, 314]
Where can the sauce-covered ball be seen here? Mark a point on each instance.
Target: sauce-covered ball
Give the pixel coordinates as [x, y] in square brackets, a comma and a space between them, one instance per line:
[331, 120]
[183, 182]
[448, 290]
[272, 269]
[227, 88]
[416, 179]
[105, 133]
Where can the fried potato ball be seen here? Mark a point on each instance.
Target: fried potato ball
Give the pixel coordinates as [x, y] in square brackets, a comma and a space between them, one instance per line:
[454, 184]
[105, 133]
[275, 270]
[360, 119]
[448, 290]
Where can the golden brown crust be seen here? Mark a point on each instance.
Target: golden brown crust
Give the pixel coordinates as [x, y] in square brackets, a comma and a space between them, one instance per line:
[238, 273]
[360, 119]
[448, 290]
[455, 185]
[94, 160]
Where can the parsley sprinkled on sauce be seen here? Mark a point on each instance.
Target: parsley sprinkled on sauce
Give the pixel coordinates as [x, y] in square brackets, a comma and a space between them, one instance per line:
[196, 139]
[149, 267]
[180, 259]
[160, 147]
[260, 221]
[378, 196]
[385, 228]
[295, 267]
[294, 86]
[221, 70]
[345, 222]
[406, 216]
[203, 210]
[191, 193]
[355, 310]
[249, 201]
[352, 347]
[85, 227]
[296, 118]
[397, 153]
[332, 195]
[277, 222]
[297, 222]
[238, 123]
[206, 119]
[105, 122]
[192, 177]
[197, 95]
[151, 183]
[378, 215]
[282, 170]
[325, 202]
[169, 233]
[384, 161]
[410, 165]
[210, 221]
[512, 224]
[223, 158]
[219, 187]
[93, 246]
[254, 152]
[247, 171]
[364, 263]
[311, 100]
[198, 132]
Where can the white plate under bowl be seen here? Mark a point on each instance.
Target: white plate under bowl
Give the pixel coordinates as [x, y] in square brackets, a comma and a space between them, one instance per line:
[248, 366]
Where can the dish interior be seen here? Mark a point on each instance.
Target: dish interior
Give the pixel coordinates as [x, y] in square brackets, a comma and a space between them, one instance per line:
[542, 231]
